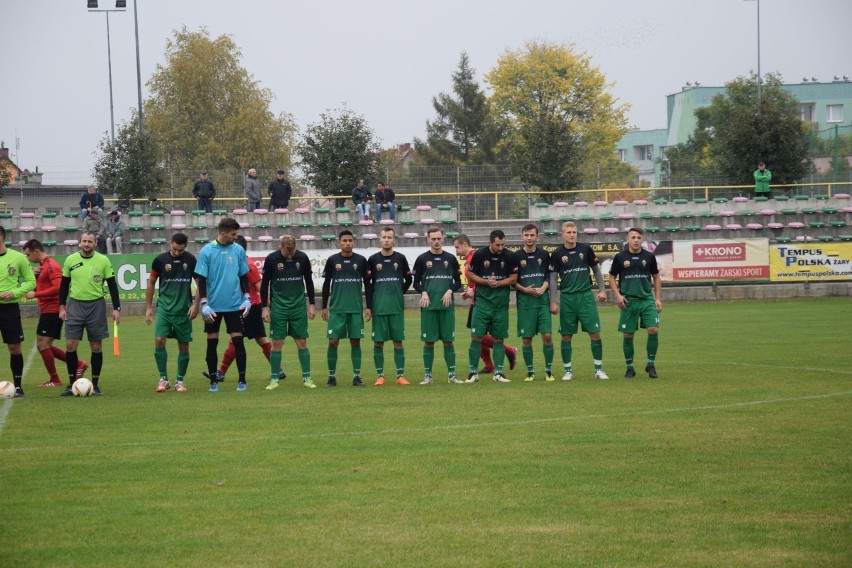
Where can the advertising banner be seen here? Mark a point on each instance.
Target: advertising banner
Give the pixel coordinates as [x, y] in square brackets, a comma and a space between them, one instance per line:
[713, 260]
[798, 262]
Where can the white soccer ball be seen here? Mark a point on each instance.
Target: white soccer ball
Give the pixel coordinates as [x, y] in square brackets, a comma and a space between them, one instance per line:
[7, 389]
[82, 387]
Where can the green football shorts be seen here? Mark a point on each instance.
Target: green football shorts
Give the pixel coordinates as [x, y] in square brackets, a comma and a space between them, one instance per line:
[578, 308]
[641, 311]
[175, 326]
[485, 321]
[438, 325]
[533, 321]
[389, 327]
[349, 325]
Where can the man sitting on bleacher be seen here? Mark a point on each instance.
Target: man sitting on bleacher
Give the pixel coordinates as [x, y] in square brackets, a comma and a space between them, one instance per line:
[384, 201]
[362, 198]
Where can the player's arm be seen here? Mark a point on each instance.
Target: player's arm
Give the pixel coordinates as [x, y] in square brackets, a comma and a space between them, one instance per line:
[596, 270]
[367, 276]
[407, 279]
[64, 288]
[265, 280]
[149, 296]
[613, 285]
[658, 292]
[113, 294]
[308, 277]
[55, 279]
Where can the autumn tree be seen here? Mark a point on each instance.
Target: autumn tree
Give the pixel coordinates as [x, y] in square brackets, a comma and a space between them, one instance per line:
[559, 113]
[464, 132]
[207, 112]
[337, 150]
[131, 167]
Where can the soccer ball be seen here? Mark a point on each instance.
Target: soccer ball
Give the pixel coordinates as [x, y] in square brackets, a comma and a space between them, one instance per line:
[7, 390]
[82, 387]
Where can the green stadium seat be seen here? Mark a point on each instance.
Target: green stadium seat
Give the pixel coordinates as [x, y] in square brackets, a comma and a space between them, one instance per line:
[761, 198]
[686, 215]
[781, 198]
[201, 240]
[788, 211]
[706, 214]
[200, 226]
[747, 213]
[49, 243]
[551, 232]
[452, 234]
[587, 218]
[825, 238]
[801, 197]
[328, 237]
[660, 201]
[70, 228]
[407, 221]
[821, 197]
[134, 213]
[541, 205]
[405, 208]
[564, 218]
[306, 224]
[137, 242]
[700, 200]
[283, 225]
[606, 217]
[809, 211]
[680, 201]
[783, 240]
[672, 228]
[693, 228]
[652, 229]
[322, 210]
[665, 215]
[345, 223]
[445, 208]
[646, 215]
[263, 225]
[49, 215]
[340, 210]
[720, 200]
[845, 238]
[451, 221]
[136, 228]
[829, 210]
[198, 212]
[816, 224]
[157, 213]
[838, 224]
[543, 219]
[159, 241]
[71, 214]
[158, 227]
[220, 212]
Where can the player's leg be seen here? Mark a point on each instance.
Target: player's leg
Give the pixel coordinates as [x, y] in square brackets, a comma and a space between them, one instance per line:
[591, 323]
[447, 334]
[650, 320]
[477, 347]
[211, 357]
[355, 327]
[396, 326]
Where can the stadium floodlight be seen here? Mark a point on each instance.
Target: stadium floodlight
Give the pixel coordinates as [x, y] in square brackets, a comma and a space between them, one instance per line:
[92, 4]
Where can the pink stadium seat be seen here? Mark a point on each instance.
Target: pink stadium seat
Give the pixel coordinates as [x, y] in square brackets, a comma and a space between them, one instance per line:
[847, 209]
[424, 207]
[754, 226]
[27, 229]
[248, 238]
[841, 196]
[245, 225]
[727, 213]
[386, 222]
[804, 238]
[71, 242]
[581, 204]
[177, 212]
[178, 226]
[22, 243]
[767, 212]
[713, 227]
[264, 239]
[303, 210]
[775, 225]
[282, 210]
[369, 236]
[796, 225]
[411, 235]
[261, 211]
[591, 231]
[733, 226]
[740, 199]
[26, 215]
[626, 215]
[620, 202]
[48, 228]
[427, 221]
[611, 230]
[561, 204]
[365, 222]
[600, 203]
[307, 238]
[640, 202]
[240, 211]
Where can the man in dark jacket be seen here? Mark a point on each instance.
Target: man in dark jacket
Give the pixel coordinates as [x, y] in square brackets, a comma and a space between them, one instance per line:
[91, 199]
[384, 201]
[362, 198]
[279, 192]
[204, 192]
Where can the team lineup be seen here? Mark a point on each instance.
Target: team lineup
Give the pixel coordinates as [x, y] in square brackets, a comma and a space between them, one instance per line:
[355, 290]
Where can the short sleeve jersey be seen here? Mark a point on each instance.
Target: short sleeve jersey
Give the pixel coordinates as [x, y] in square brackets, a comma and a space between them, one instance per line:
[437, 274]
[346, 273]
[222, 266]
[634, 272]
[16, 276]
[47, 286]
[88, 275]
[254, 279]
[533, 272]
[573, 266]
[388, 274]
[175, 279]
[287, 280]
[486, 264]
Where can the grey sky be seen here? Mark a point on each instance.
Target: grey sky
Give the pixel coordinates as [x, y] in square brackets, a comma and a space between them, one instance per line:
[386, 60]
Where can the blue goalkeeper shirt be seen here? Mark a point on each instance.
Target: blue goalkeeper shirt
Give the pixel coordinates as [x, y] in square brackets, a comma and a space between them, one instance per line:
[222, 266]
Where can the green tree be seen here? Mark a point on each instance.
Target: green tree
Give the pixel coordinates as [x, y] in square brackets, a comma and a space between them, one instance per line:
[131, 168]
[338, 150]
[559, 113]
[464, 131]
[740, 132]
[206, 110]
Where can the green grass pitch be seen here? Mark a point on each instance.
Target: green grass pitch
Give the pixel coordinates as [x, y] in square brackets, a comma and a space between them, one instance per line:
[739, 455]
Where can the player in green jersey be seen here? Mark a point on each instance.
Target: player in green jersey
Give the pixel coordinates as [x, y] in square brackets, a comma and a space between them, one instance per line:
[534, 300]
[82, 289]
[494, 270]
[391, 278]
[638, 293]
[176, 309]
[574, 262]
[16, 279]
[436, 276]
[287, 275]
[343, 275]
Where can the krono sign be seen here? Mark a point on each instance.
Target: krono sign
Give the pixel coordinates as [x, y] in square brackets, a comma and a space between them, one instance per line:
[723, 252]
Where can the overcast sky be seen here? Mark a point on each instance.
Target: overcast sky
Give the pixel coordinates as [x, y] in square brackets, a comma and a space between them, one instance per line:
[386, 60]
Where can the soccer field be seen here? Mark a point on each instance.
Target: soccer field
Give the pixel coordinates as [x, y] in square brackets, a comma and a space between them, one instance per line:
[739, 455]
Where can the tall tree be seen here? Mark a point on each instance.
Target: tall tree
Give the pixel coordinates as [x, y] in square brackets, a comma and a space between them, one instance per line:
[741, 131]
[338, 150]
[463, 132]
[559, 111]
[207, 111]
[131, 168]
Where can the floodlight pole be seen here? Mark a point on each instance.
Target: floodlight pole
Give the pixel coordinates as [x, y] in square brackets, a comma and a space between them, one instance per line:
[109, 66]
[139, 67]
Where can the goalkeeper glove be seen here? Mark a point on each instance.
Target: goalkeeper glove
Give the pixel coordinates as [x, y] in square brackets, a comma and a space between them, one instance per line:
[246, 305]
[207, 312]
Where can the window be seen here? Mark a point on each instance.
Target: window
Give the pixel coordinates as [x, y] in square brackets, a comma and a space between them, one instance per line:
[834, 113]
[806, 112]
[646, 153]
[622, 154]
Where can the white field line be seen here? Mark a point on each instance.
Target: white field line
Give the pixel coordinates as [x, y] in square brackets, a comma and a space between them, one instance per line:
[444, 427]
[7, 404]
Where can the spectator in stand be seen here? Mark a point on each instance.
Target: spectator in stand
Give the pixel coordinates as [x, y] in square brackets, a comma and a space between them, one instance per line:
[95, 225]
[384, 201]
[279, 192]
[114, 232]
[204, 192]
[89, 200]
[362, 198]
[762, 176]
[252, 190]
